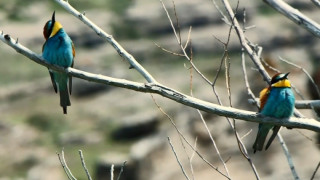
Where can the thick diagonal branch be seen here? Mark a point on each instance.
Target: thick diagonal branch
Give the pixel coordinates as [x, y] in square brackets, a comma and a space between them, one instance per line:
[295, 15]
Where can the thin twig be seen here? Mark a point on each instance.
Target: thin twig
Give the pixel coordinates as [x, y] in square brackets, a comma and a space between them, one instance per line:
[240, 144]
[188, 38]
[168, 51]
[244, 70]
[244, 43]
[111, 171]
[177, 21]
[191, 93]
[289, 158]
[192, 156]
[175, 154]
[245, 135]
[65, 166]
[183, 137]
[304, 71]
[121, 170]
[214, 143]
[181, 46]
[84, 165]
[305, 136]
[227, 77]
[224, 17]
[269, 66]
[207, 128]
[315, 171]
[121, 51]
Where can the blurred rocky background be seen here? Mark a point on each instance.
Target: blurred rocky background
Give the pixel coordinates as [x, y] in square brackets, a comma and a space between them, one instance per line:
[112, 125]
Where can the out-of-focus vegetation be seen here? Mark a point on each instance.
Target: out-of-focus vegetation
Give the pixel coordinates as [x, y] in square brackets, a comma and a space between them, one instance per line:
[93, 117]
[15, 9]
[15, 68]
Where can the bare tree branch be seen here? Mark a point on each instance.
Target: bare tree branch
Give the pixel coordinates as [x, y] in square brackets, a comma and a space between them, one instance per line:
[316, 2]
[303, 123]
[121, 51]
[244, 43]
[295, 15]
[307, 104]
[299, 104]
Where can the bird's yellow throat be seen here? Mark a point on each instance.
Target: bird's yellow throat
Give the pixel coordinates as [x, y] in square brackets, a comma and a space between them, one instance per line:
[56, 27]
[282, 83]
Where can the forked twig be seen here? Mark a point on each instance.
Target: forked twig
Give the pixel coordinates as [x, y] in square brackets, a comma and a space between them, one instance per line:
[183, 137]
[241, 146]
[181, 46]
[189, 58]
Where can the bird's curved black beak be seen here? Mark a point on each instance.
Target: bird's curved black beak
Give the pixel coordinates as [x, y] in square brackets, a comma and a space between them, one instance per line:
[286, 75]
[53, 17]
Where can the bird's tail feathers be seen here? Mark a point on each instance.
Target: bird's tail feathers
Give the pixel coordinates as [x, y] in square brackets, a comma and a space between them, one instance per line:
[274, 134]
[261, 138]
[64, 100]
[53, 81]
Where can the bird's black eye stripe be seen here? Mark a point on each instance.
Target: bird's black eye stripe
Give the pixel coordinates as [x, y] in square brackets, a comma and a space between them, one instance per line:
[274, 80]
[50, 29]
[278, 78]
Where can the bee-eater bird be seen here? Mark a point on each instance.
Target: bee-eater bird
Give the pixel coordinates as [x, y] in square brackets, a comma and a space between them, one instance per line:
[59, 50]
[276, 101]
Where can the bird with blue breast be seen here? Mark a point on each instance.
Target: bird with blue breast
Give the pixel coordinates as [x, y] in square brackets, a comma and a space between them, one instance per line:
[58, 49]
[276, 101]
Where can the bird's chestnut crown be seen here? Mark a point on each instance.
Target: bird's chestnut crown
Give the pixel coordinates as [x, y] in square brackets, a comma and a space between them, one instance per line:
[51, 27]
